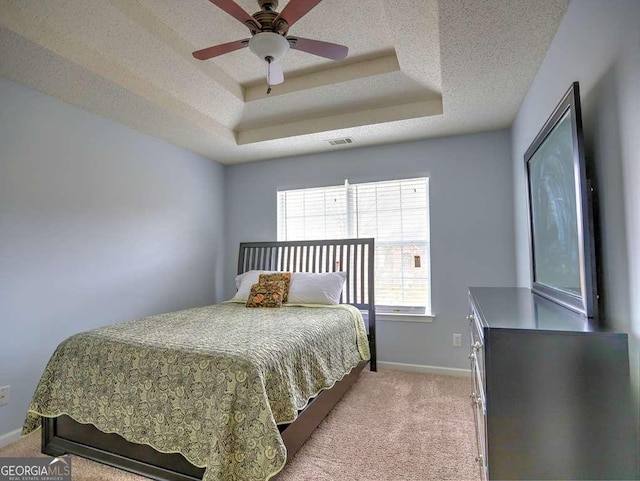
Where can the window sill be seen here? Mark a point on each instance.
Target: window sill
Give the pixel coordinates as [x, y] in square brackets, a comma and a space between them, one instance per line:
[400, 317]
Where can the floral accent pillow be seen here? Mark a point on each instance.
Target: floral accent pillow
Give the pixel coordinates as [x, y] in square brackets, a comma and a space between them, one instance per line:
[266, 294]
[278, 276]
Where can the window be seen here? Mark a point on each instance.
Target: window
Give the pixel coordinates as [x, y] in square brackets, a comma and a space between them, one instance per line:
[395, 213]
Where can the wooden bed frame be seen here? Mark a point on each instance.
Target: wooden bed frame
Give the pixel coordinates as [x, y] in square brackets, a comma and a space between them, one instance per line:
[63, 435]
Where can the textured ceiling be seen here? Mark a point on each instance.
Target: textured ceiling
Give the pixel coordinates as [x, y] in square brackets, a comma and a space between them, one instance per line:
[416, 69]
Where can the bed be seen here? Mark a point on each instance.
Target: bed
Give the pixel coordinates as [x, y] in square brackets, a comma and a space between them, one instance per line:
[221, 392]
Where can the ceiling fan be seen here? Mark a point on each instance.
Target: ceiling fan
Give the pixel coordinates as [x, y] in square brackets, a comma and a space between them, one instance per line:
[269, 40]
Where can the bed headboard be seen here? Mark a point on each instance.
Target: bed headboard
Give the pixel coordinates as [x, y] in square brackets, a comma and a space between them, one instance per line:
[353, 256]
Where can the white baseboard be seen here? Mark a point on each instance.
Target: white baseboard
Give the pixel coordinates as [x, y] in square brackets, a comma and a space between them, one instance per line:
[10, 437]
[443, 371]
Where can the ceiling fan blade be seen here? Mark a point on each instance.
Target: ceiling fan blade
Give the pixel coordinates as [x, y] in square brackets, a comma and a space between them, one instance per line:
[275, 75]
[318, 47]
[295, 10]
[233, 9]
[216, 50]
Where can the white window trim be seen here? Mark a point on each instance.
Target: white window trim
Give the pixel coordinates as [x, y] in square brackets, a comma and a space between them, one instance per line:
[400, 317]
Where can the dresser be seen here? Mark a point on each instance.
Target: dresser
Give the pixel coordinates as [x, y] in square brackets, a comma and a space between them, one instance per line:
[550, 391]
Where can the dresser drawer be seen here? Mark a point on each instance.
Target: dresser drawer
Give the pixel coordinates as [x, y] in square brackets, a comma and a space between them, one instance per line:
[478, 391]
[479, 406]
[477, 346]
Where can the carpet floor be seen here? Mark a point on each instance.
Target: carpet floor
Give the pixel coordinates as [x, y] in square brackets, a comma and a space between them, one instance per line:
[391, 425]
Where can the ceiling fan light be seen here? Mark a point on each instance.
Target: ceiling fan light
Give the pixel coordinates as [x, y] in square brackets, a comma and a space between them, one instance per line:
[268, 44]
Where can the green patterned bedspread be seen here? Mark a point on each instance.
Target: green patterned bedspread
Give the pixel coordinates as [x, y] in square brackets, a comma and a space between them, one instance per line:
[211, 383]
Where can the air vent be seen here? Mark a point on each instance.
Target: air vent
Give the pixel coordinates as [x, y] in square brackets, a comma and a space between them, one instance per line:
[346, 140]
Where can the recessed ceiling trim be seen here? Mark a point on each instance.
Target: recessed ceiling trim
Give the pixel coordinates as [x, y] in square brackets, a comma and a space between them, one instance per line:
[130, 62]
[67, 81]
[46, 37]
[333, 74]
[342, 121]
[152, 24]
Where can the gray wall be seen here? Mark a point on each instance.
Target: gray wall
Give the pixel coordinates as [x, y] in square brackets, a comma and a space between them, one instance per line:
[98, 224]
[597, 44]
[471, 224]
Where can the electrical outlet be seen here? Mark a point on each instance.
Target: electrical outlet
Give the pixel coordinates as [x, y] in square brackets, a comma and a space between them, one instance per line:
[457, 340]
[4, 395]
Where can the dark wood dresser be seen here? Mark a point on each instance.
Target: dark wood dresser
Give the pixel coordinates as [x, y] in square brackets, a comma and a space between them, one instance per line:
[551, 392]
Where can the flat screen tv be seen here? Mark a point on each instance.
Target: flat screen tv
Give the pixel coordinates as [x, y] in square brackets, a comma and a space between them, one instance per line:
[560, 219]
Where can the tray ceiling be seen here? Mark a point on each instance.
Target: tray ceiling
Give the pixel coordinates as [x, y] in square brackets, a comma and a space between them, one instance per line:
[416, 69]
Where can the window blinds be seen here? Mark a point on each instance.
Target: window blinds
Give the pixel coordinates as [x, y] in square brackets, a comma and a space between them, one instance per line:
[395, 213]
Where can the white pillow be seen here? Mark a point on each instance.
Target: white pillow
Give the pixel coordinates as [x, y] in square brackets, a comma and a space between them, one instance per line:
[245, 281]
[311, 288]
